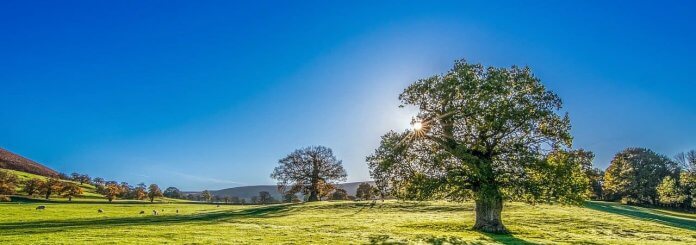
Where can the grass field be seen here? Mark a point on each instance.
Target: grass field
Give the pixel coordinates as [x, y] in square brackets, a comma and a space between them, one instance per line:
[337, 222]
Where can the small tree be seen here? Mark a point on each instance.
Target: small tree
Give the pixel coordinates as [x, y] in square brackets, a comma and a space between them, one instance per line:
[255, 200]
[84, 179]
[126, 191]
[98, 181]
[364, 191]
[307, 169]
[50, 186]
[154, 192]
[70, 190]
[63, 176]
[140, 191]
[32, 186]
[265, 197]
[635, 173]
[226, 199]
[172, 192]
[8, 183]
[206, 196]
[111, 191]
[290, 198]
[75, 177]
[235, 200]
[339, 194]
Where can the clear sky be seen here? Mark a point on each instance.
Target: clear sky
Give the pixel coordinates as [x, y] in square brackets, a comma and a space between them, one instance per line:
[210, 95]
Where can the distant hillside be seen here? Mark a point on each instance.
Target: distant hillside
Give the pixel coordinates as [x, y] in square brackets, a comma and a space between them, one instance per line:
[9, 160]
[247, 192]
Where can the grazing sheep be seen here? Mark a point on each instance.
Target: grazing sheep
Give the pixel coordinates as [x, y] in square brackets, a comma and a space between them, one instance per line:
[142, 211]
[42, 207]
[154, 212]
[100, 210]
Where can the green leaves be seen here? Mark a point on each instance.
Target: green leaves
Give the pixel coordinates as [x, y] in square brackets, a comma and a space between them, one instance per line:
[481, 127]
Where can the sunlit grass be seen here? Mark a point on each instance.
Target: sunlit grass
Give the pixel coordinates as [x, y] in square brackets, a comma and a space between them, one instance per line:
[335, 222]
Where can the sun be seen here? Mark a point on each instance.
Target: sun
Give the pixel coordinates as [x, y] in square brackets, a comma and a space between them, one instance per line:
[417, 126]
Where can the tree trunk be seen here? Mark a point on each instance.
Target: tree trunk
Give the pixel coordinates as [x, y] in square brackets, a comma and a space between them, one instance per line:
[69, 199]
[313, 196]
[489, 206]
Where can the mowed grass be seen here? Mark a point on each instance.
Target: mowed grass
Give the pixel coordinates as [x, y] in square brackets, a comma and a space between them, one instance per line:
[348, 222]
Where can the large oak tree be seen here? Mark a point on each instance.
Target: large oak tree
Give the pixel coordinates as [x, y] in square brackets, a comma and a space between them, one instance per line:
[482, 133]
[309, 170]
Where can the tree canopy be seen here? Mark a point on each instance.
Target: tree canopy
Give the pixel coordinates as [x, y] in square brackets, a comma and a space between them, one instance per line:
[172, 192]
[8, 183]
[309, 170]
[634, 174]
[153, 192]
[479, 132]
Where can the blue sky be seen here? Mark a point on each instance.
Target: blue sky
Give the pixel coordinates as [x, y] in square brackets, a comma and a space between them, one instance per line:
[210, 95]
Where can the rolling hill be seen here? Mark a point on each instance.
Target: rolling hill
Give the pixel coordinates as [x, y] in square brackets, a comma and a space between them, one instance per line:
[12, 161]
[247, 192]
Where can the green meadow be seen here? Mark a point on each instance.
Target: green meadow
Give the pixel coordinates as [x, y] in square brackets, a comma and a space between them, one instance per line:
[344, 222]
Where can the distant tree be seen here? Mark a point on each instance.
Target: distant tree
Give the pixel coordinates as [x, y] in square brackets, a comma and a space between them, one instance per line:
[140, 191]
[339, 194]
[235, 200]
[242, 201]
[172, 192]
[561, 178]
[190, 197]
[304, 170]
[687, 177]
[596, 177]
[63, 176]
[75, 176]
[226, 199]
[255, 200]
[217, 198]
[687, 160]
[111, 191]
[98, 181]
[84, 179]
[32, 186]
[634, 174]
[50, 186]
[687, 182]
[480, 133]
[154, 192]
[206, 196]
[290, 198]
[126, 190]
[70, 190]
[364, 191]
[8, 183]
[265, 198]
[669, 192]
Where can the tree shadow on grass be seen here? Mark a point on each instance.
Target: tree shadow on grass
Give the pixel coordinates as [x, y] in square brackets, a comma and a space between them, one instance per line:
[47, 226]
[643, 214]
[505, 238]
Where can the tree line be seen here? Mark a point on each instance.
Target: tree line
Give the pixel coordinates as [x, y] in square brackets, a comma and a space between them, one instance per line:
[643, 177]
[69, 186]
[364, 192]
